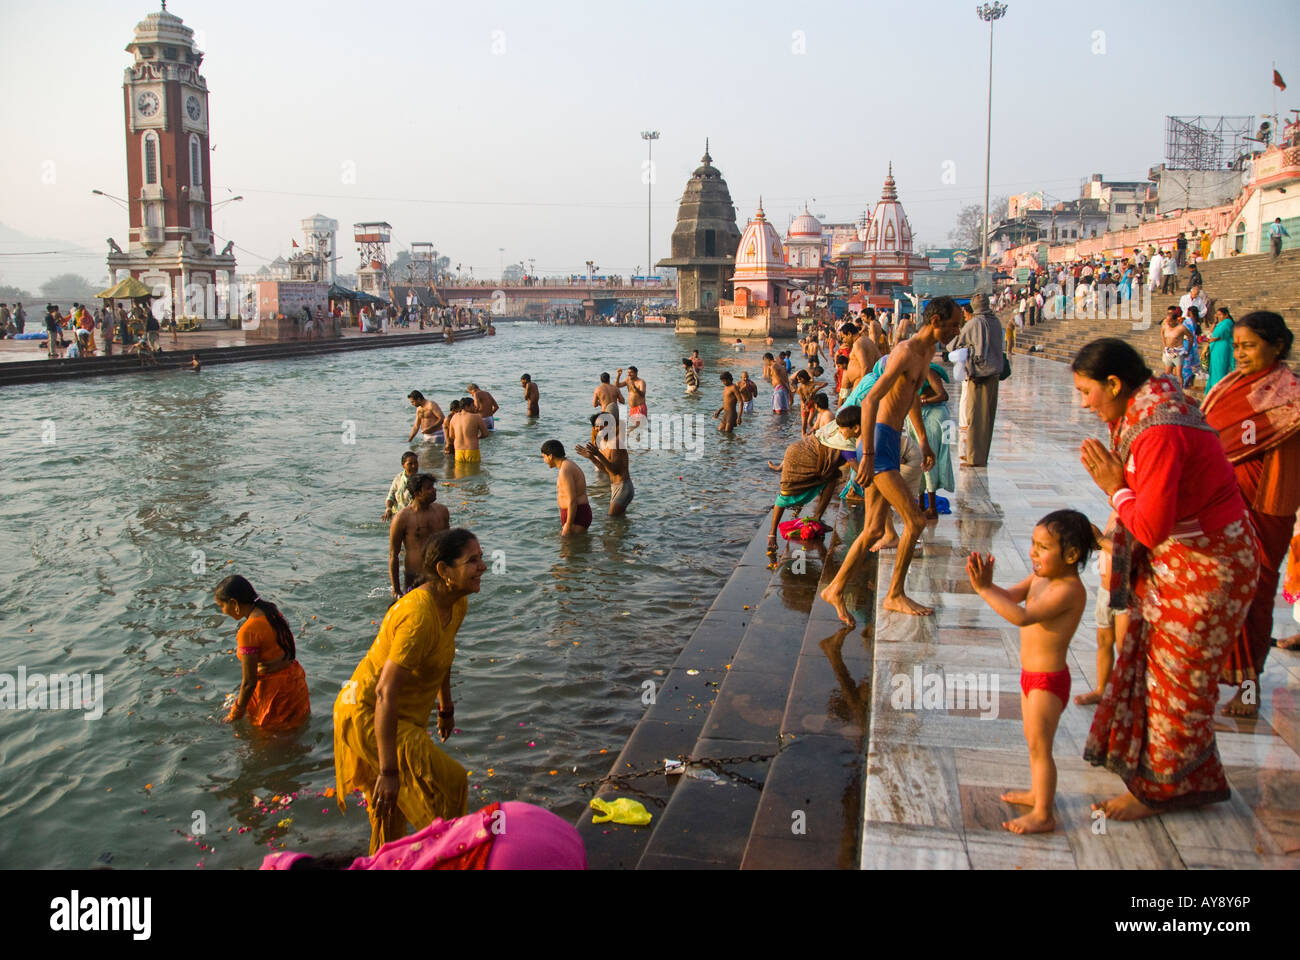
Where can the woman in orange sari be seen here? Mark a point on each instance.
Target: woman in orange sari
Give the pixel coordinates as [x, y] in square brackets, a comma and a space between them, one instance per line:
[273, 689]
[1183, 565]
[1256, 410]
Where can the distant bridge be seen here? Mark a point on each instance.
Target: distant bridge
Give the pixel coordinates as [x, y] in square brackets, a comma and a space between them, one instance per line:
[564, 292]
[520, 301]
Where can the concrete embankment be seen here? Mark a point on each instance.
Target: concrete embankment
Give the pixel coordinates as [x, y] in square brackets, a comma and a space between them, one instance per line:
[46, 371]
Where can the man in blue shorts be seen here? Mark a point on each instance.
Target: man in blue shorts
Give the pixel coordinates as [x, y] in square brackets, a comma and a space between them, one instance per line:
[894, 397]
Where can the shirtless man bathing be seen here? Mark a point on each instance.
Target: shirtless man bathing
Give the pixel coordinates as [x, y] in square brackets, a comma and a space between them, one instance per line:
[485, 404]
[732, 403]
[467, 429]
[775, 373]
[609, 453]
[428, 418]
[532, 396]
[411, 530]
[570, 490]
[607, 396]
[895, 396]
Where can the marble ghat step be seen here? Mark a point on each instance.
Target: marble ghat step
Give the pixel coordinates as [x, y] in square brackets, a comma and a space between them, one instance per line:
[683, 699]
[780, 700]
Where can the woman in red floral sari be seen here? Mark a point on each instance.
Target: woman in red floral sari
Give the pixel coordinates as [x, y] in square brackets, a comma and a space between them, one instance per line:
[1256, 409]
[1184, 565]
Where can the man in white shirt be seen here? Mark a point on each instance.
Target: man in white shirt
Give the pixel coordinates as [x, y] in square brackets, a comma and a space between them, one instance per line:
[1155, 272]
[1169, 271]
[1193, 298]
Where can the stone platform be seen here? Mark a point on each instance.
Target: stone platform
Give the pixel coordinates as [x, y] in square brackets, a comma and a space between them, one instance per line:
[934, 776]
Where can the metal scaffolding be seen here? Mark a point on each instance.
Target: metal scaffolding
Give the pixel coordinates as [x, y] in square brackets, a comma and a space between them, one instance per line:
[1207, 143]
[420, 269]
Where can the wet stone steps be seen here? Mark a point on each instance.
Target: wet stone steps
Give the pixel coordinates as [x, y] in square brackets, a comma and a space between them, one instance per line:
[773, 693]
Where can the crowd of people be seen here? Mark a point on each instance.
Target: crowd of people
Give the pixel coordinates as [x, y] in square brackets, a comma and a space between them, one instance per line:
[1203, 527]
[1205, 523]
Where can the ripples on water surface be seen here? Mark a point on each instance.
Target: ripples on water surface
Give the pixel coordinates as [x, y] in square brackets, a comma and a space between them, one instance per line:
[100, 534]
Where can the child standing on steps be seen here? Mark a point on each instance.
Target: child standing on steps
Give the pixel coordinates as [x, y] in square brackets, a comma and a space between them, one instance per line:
[1054, 599]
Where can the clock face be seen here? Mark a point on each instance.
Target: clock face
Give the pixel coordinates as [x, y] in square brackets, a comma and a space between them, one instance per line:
[147, 103]
[194, 108]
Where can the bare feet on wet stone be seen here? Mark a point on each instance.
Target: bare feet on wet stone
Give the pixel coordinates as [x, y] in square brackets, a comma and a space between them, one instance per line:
[887, 542]
[1021, 798]
[905, 604]
[1088, 699]
[1125, 807]
[1236, 708]
[836, 599]
[1030, 823]
[1289, 643]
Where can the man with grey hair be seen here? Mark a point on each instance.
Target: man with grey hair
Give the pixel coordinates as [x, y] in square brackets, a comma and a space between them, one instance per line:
[982, 335]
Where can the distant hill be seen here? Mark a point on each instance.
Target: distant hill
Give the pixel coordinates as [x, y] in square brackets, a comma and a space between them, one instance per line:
[18, 269]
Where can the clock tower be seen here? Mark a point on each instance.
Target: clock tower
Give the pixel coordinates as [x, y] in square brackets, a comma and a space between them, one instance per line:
[168, 173]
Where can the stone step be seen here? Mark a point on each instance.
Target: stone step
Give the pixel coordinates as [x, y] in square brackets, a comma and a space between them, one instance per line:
[674, 722]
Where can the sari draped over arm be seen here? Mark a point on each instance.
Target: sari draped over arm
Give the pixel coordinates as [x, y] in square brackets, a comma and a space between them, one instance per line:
[1189, 590]
[1258, 419]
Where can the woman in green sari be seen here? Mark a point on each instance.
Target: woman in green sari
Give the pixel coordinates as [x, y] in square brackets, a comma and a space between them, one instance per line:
[1222, 361]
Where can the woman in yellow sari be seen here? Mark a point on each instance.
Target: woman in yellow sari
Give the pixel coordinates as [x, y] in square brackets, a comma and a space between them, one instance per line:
[381, 744]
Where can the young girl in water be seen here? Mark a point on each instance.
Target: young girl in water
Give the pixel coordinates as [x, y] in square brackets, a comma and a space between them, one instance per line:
[807, 388]
[1053, 599]
[273, 690]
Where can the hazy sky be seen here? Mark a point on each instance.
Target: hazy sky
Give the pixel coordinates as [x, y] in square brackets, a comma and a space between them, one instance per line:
[516, 124]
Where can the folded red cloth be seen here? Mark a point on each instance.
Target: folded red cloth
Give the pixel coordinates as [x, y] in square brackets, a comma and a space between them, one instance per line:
[802, 528]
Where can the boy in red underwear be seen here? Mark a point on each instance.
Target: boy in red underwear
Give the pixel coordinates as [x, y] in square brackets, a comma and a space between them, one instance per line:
[1054, 599]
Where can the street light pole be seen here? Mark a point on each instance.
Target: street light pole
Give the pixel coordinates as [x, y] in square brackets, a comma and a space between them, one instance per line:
[988, 12]
[649, 136]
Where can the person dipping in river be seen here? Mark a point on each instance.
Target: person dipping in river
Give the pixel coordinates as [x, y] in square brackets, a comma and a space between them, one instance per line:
[748, 391]
[606, 395]
[429, 420]
[611, 457]
[774, 371]
[570, 489]
[381, 744]
[807, 388]
[636, 405]
[692, 376]
[411, 530]
[484, 404]
[273, 687]
[532, 398]
[729, 412]
[399, 495]
[468, 429]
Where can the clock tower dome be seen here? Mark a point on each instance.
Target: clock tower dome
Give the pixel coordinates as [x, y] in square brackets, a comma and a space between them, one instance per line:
[168, 172]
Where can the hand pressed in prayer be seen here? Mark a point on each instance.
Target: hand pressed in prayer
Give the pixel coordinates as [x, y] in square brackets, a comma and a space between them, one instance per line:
[1104, 467]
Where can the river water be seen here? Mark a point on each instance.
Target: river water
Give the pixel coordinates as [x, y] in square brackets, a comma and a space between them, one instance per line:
[127, 498]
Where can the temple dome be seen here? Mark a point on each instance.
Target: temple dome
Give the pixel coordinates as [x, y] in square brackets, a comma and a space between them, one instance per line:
[760, 254]
[889, 231]
[706, 229]
[805, 225]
